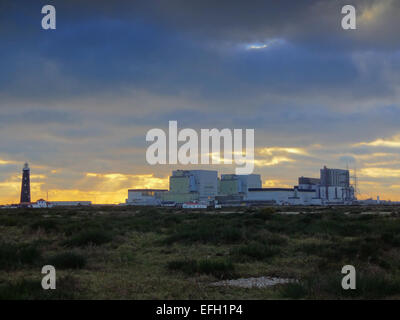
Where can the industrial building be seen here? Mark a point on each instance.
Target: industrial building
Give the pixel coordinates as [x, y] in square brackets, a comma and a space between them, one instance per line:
[233, 188]
[194, 187]
[335, 177]
[282, 196]
[234, 184]
[145, 197]
[309, 183]
[333, 187]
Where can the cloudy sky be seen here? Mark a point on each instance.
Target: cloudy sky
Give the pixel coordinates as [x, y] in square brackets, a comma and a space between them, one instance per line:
[77, 102]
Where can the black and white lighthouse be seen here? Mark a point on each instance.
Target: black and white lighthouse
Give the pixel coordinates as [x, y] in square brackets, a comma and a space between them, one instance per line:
[26, 185]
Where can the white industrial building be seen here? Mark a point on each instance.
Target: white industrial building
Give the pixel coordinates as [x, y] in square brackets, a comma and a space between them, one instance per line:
[277, 195]
[282, 196]
[335, 194]
[333, 187]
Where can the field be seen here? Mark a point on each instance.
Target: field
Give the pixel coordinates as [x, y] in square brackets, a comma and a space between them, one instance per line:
[160, 253]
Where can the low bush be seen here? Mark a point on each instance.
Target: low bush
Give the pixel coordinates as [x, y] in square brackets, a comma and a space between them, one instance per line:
[265, 213]
[391, 238]
[15, 255]
[46, 225]
[210, 232]
[254, 251]
[339, 250]
[263, 236]
[187, 266]
[10, 221]
[218, 268]
[90, 237]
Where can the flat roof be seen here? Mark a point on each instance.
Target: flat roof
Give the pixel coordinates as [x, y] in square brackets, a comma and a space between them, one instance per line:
[271, 189]
[147, 190]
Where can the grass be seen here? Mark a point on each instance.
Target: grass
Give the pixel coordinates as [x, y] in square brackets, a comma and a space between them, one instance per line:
[369, 285]
[293, 290]
[254, 251]
[31, 289]
[46, 225]
[67, 260]
[206, 232]
[163, 253]
[90, 237]
[219, 268]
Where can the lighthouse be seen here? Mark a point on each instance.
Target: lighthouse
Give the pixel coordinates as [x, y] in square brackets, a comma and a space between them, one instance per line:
[26, 185]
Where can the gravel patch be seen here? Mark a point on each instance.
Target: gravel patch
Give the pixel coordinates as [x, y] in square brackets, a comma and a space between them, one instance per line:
[260, 282]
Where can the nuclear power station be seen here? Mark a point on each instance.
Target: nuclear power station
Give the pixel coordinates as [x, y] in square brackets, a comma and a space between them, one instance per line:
[190, 187]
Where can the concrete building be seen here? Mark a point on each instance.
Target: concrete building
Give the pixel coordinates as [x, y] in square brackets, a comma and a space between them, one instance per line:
[143, 197]
[233, 184]
[272, 195]
[192, 185]
[335, 177]
[282, 196]
[336, 194]
[230, 200]
[309, 183]
[335, 186]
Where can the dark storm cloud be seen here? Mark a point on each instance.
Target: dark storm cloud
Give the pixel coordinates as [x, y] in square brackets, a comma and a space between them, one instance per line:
[312, 22]
[316, 22]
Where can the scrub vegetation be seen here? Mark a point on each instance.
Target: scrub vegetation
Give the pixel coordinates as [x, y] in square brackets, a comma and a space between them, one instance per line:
[164, 253]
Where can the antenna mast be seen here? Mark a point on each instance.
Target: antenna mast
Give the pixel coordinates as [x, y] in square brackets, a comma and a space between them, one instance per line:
[355, 182]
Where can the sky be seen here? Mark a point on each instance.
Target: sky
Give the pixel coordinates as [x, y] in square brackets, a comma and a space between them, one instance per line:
[77, 102]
